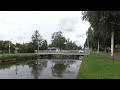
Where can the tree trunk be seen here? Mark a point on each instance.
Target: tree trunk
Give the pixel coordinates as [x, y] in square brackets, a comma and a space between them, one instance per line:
[88, 43]
[38, 48]
[112, 45]
[98, 48]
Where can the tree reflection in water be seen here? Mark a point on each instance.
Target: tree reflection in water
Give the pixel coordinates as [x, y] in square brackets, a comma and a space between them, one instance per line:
[16, 69]
[37, 68]
[60, 67]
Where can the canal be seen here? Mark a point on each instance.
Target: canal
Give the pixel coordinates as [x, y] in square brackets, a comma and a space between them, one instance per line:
[41, 69]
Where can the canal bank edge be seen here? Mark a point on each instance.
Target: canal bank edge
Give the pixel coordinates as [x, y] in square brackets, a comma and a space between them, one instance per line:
[14, 57]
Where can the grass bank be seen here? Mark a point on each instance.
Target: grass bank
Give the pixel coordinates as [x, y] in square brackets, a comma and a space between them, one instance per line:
[99, 67]
[20, 56]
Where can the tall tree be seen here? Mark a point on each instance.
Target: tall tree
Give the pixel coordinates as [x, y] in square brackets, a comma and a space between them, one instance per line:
[44, 45]
[58, 40]
[36, 40]
[107, 21]
[71, 45]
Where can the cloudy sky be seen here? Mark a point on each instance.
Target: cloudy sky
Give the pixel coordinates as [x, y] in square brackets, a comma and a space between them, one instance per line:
[20, 25]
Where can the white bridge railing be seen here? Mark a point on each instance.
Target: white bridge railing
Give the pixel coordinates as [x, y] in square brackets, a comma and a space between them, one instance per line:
[59, 51]
[85, 52]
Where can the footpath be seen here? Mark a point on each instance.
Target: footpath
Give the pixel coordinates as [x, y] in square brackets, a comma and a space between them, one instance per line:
[116, 56]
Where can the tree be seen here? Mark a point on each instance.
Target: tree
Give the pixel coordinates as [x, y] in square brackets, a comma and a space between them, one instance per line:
[23, 48]
[79, 47]
[58, 40]
[36, 40]
[30, 47]
[104, 21]
[71, 45]
[4, 46]
[44, 45]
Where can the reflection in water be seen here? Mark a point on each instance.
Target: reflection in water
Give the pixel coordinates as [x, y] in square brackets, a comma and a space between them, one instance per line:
[41, 69]
[16, 69]
[37, 68]
[60, 67]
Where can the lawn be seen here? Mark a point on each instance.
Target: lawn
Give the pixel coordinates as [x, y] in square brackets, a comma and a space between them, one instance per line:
[18, 56]
[99, 67]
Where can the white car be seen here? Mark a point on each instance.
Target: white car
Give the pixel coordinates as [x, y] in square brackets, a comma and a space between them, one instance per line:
[81, 51]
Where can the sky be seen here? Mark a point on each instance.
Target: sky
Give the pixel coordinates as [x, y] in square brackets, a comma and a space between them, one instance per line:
[18, 26]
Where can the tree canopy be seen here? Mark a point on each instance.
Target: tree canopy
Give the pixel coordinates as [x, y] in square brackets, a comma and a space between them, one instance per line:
[106, 25]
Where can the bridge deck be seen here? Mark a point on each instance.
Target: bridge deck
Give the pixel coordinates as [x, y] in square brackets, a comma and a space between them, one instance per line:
[61, 52]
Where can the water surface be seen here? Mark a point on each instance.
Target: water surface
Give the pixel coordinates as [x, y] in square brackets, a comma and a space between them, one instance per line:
[41, 69]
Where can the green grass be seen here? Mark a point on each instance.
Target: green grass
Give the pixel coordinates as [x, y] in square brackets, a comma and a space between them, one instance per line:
[99, 67]
[18, 56]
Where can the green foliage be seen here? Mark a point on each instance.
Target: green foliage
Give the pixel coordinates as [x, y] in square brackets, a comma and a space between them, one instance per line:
[71, 45]
[103, 23]
[36, 40]
[21, 56]
[44, 45]
[79, 47]
[58, 40]
[4, 46]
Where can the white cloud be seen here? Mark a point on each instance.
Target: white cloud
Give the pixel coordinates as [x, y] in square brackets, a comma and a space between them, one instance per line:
[68, 24]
